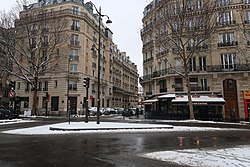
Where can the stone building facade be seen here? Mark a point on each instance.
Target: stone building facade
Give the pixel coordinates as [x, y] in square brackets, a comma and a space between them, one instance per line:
[78, 59]
[220, 66]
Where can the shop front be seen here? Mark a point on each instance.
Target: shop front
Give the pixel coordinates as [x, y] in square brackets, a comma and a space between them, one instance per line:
[247, 104]
[205, 107]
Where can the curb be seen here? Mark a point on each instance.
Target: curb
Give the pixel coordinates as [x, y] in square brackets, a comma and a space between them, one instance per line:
[89, 129]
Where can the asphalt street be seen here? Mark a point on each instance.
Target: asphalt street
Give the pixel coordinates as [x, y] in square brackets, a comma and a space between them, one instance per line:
[105, 150]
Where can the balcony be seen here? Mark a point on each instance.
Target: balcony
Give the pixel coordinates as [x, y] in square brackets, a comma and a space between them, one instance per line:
[198, 48]
[163, 90]
[148, 60]
[45, 30]
[198, 88]
[226, 23]
[74, 57]
[75, 28]
[148, 93]
[230, 43]
[197, 69]
[179, 89]
[74, 43]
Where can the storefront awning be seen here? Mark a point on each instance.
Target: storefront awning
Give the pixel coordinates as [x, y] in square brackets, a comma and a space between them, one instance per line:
[166, 96]
[149, 101]
[199, 100]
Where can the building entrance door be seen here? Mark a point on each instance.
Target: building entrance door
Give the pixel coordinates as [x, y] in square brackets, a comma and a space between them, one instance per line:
[73, 105]
[231, 98]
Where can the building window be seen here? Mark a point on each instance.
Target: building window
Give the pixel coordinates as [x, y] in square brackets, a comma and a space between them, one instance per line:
[73, 67]
[178, 84]
[74, 54]
[44, 40]
[194, 84]
[228, 61]
[226, 18]
[45, 88]
[75, 25]
[192, 64]
[72, 85]
[202, 63]
[56, 84]
[247, 17]
[204, 85]
[223, 2]
[226, 39]
[75, 10]
[18, 86]
[39, 86]
[74, 39]
[247, 1]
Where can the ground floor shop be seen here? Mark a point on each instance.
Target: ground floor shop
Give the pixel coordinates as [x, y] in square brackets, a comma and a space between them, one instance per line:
[176, 108]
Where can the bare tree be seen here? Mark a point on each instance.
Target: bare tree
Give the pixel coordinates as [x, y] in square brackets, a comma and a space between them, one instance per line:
[186, 29]
[36, 46]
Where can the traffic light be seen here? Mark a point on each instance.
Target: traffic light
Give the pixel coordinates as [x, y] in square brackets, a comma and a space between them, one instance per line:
[86, 82]
[12, 85]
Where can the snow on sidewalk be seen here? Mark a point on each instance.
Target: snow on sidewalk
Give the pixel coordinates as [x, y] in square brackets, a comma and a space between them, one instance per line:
[103, 127]
[229, 157]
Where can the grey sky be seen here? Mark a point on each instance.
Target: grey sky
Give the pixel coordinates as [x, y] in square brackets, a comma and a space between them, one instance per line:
[126, 16]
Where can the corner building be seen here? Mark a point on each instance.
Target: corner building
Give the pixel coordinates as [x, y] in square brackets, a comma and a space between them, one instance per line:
[79, 59]
[220, 68]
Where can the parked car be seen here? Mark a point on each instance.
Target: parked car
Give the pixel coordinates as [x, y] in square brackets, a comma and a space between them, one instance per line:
[5, 112]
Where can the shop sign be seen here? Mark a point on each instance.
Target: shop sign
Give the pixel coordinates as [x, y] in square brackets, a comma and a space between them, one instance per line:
[246, 94]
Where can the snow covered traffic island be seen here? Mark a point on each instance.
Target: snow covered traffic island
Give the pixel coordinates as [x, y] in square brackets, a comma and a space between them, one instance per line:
[77, 126]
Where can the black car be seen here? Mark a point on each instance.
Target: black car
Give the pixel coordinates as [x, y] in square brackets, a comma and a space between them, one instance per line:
[8, 112]
[4, 112]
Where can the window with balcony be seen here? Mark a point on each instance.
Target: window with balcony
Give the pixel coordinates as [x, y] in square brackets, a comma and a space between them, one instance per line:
[226, 39]
[73, 54]
[228, 61]
[74, 39]
[189, 5]
[44, 40]
[199, 4]
[226, 18]
[223, 2]
[75, 25]
[72, 85]
[75, 10]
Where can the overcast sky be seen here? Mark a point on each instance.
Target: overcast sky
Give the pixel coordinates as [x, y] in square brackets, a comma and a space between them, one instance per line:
[126, 16]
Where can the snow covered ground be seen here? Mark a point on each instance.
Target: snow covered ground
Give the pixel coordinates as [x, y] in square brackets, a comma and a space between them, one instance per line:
[103, 127]
[209, 157]
[229, 157]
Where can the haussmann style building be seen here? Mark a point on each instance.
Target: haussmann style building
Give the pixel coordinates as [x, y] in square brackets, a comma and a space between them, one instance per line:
[219, 69]
[72, 58]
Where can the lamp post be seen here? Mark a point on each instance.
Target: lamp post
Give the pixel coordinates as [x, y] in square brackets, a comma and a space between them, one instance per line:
[99, 58]
[68, 102]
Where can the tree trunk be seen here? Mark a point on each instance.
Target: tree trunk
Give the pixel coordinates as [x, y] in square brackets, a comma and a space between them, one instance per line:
[190, 103]
[34, 106]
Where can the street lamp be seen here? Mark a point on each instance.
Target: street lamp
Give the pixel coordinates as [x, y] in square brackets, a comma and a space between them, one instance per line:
[99, 57]
[68, 102]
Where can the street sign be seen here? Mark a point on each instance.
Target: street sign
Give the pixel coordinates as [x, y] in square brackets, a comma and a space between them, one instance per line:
[12, 94]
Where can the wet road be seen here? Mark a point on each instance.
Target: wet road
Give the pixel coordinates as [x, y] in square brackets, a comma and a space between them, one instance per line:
[107, 150]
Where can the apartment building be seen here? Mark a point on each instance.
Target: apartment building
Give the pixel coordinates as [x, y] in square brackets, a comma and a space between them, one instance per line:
[218, 69]
[75, 57]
